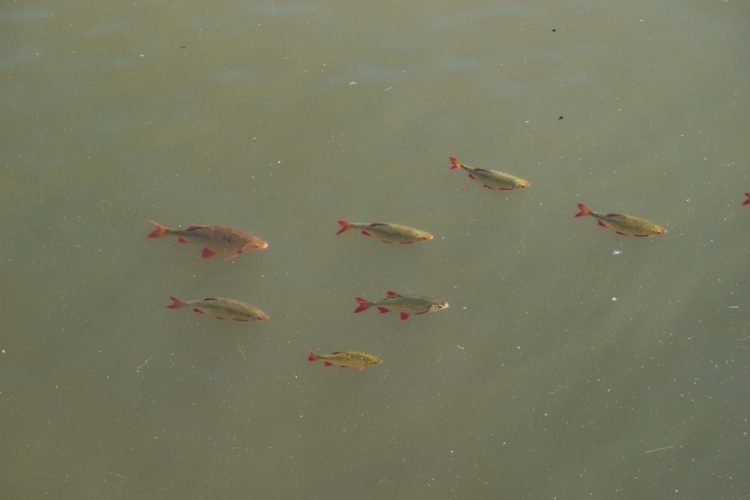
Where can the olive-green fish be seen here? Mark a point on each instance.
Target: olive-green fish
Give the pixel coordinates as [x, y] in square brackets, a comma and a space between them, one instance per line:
[404, 304]
[347, 359]
[214, 239]
[221, 308]
[389, 233]
[491, 179]
[626, 225]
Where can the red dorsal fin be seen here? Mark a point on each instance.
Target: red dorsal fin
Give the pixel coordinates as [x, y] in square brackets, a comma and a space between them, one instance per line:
[614, 214]
[480, 169]
[377, 224]
[211, 298]
[337, 352]
[193, 227]
[391, 293]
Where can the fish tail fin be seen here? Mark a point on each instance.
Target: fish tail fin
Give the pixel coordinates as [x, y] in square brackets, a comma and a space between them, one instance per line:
[345, 226]
[583, 210]
[747, 201]
[364, 304]
[312, 356]
[455, 164]
[159, 231]
[176, 303]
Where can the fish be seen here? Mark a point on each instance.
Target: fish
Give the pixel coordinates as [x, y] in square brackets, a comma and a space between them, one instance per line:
[625, 225]
[221, 308]
[491, 179]
[747, 201]
[214, 239]
[389, 233]
[404, 304]
[347, 359]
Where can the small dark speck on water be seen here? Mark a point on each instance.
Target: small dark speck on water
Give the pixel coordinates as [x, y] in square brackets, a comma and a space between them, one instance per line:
[560, 117]
[182, 46]
[554, 29]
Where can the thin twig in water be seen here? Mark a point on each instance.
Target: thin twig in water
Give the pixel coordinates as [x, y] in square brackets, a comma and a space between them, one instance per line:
[660, 449]
[241, 352]
[144, 363]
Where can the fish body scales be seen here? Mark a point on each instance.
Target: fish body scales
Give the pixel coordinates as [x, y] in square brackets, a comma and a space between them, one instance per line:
[227, 309]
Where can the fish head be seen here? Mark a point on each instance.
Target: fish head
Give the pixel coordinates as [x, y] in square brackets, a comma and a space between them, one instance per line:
[439, 305]
[375, 361]
[522, 183]
[426, 236]
[661, 230]
[261, 316]
[255, 244]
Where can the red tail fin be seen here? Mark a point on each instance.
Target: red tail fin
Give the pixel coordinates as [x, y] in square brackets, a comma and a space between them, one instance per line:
[176, 303]
[455, 164]
[364, 304]
[345, 226]
[312, 356]
[158, 232]
[747, 201]
[583, 210]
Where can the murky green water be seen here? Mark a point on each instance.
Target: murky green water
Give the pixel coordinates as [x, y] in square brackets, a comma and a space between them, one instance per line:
[573, 363]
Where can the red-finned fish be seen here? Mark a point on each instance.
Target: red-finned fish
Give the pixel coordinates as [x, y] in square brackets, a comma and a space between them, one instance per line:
[389, 233]
[221, 308]
[404, 304]
[747, 201]
[213, 239]
[346, 359]
[491, 179]
[626, 225]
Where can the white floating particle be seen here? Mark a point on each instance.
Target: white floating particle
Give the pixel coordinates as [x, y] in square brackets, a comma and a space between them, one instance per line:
[614, 299]
[352, 83]
[616, 252]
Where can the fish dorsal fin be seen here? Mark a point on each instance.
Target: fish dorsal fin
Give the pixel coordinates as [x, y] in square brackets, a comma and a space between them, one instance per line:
[614, 214]
[211, 298]
[479, 169]
[337, 352]
[377, 224]
[391, 293]
[193, 227]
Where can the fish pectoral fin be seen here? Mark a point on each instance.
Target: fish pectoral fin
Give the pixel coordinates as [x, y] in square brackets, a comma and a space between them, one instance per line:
[602, 223]
[622, 234]
[197, 310]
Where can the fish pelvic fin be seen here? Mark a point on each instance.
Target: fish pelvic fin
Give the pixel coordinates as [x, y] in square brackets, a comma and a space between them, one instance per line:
[583, 210]
[345, 226]
[176, 303]
[364, 304]
[159, 231]
[455, 164]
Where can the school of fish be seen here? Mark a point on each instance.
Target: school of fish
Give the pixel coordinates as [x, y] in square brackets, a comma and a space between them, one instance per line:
[232, 243]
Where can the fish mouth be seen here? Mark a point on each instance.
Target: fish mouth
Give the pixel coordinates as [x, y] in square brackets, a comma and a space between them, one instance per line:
[662, 230]
[263, 245]
[428, 237]
[525, 184]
